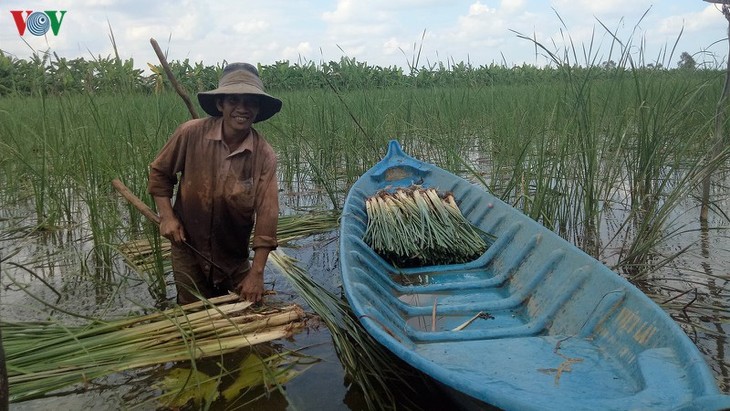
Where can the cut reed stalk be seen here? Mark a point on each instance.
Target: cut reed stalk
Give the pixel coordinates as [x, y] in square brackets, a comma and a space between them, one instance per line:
[370, 365]
[418, 227]
[59, 356]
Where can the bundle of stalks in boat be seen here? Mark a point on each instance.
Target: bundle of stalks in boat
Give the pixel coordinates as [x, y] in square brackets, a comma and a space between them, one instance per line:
[415, 226]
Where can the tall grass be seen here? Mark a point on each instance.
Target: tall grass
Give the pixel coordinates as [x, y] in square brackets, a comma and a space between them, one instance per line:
[545, 147]
[632, 131]
[59, 155]
[605, 156]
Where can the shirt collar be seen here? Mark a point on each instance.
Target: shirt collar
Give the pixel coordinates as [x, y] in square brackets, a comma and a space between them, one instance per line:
[216, 133]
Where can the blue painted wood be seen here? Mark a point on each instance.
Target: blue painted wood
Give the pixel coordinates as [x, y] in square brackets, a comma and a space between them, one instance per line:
[559, 329]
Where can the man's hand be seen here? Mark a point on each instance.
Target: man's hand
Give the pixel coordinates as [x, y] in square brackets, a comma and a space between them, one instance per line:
[170, 226]
[251, 287]
[172, 229]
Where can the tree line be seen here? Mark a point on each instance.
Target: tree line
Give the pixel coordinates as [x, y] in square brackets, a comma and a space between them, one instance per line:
[49, 74]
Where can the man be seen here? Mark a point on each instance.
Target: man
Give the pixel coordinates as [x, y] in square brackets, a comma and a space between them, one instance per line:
[227, 189]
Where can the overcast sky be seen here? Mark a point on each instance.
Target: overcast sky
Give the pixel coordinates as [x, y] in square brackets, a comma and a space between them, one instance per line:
[379, 32]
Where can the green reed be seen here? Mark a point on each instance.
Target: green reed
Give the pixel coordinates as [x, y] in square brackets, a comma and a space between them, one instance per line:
[59, 155]
[603, 157]
[575, 139]
[630, 129]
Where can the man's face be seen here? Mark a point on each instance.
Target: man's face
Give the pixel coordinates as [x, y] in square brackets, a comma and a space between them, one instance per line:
[239, 111]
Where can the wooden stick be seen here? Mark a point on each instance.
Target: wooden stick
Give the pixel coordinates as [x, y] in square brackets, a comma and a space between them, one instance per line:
[135, 201]
[433, 315]
[467, 322]
[178, 88]
[152, 216]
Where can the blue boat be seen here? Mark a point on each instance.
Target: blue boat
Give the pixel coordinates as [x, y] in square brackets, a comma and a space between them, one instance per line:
[532, 324]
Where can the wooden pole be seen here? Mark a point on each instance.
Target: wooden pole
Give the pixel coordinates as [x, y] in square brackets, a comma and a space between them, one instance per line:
[152, 216]
[135, 201]
[178, 88]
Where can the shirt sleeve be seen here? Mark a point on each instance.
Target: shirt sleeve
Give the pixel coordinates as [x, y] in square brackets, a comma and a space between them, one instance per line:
[267, 204]
[169, 161]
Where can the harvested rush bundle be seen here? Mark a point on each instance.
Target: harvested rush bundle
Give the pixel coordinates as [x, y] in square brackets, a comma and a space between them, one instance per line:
[416, 226]
[45, 357]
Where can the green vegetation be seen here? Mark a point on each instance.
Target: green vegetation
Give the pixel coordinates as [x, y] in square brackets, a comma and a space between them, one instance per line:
[371, 365]
[47, 74]
[609, 156]
[570, 146]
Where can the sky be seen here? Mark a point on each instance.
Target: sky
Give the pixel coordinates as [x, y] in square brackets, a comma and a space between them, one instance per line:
[381, 33]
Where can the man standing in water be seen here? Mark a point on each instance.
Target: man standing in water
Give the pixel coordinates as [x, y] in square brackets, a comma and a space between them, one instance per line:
[227, 190]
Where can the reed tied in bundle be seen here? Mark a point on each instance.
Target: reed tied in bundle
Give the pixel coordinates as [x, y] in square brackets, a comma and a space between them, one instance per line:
[416, 226]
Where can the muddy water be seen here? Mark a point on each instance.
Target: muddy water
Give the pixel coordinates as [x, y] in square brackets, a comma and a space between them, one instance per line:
[694, 286]
[39, 270]
[55, 268]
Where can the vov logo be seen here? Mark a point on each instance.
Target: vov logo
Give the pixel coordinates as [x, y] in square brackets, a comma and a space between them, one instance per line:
[38, 23]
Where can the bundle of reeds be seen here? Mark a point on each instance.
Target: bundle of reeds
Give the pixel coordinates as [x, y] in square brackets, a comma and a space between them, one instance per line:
[415, 226]
[372, 367]
[45, 357]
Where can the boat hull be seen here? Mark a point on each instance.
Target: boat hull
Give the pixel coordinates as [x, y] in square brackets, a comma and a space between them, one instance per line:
[557, 329]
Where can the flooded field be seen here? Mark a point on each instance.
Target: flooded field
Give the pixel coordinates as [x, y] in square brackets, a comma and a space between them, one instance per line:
[49, 274]
[619, 176]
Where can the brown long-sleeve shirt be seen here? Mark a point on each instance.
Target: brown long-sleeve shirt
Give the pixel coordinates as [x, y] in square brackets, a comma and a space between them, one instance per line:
[222, 195]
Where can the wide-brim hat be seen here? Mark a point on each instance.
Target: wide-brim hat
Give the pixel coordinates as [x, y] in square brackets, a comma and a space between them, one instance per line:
[240, 81]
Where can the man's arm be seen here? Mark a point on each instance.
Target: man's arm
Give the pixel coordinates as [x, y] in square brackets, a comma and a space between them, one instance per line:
[252, 285]
[264, 239]
[162, 180]
[170, 226]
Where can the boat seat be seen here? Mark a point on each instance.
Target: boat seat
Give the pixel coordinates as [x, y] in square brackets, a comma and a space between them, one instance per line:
[513, 300]
[386, 308]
